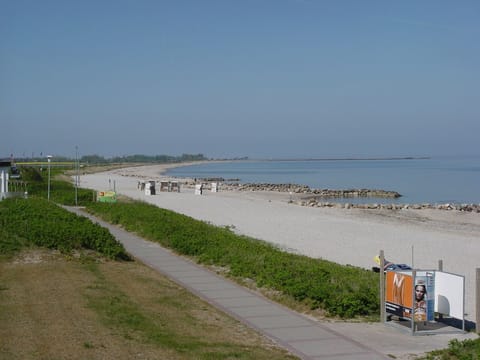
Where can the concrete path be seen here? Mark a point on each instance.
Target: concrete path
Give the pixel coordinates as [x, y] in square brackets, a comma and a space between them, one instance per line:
[302, 336]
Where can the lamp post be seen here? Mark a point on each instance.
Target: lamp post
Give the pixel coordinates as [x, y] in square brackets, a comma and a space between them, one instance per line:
[76, 175]
[49, 158]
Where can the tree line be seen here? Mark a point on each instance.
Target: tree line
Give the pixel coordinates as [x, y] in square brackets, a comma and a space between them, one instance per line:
[138, 158]
[97, 159]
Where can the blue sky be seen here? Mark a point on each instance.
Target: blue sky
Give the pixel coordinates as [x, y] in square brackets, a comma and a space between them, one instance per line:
[226, 78]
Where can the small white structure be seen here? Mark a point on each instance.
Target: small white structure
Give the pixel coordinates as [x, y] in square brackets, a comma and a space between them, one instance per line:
[214, 187]
[7, 185]
[174, 186]
[198, 189]
[150, 187]
[3, 184]
[164, 186]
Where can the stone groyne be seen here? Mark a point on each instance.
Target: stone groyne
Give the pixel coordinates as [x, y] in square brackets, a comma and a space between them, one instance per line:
[317, 197]
[306, 190]
[459, 207]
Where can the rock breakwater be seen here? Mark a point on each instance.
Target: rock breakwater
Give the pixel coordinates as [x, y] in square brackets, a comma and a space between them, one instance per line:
[304, 189]
[317, 197]
[313, 202]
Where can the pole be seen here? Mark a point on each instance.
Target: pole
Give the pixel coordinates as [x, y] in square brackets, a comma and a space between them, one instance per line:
[49, 157]
[76, 175]
[477, 301]
[382, 287]
[440, 268]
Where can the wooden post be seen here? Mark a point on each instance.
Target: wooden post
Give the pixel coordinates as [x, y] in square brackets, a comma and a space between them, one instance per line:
[477, 301]
[440, 268]
[382, 287]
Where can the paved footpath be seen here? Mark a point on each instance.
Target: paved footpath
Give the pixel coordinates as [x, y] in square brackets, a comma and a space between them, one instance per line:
[302, 336]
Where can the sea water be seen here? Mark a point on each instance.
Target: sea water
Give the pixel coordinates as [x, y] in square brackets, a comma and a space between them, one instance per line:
[435, 180]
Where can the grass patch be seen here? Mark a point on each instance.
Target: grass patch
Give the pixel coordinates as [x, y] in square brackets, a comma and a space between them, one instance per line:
[457, 350]
[64, 307]
[117, 310]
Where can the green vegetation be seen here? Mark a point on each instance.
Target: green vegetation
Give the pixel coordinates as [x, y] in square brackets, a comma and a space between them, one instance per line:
[31, 174]
[341, 290]
[97, 159]
[122, 310]
[147, 158]
[38, 222]
[128, 309]
[177, 324]
[457, 350]
[61, 191]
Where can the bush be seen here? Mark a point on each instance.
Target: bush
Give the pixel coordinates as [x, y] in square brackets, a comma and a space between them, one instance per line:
[457, 350]
[31, 174]
[39, 222]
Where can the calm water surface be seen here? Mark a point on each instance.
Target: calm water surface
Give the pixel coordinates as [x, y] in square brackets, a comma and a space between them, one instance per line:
[433, 180]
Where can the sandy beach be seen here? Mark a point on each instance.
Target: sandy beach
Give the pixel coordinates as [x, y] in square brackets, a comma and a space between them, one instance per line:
[347, 236]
